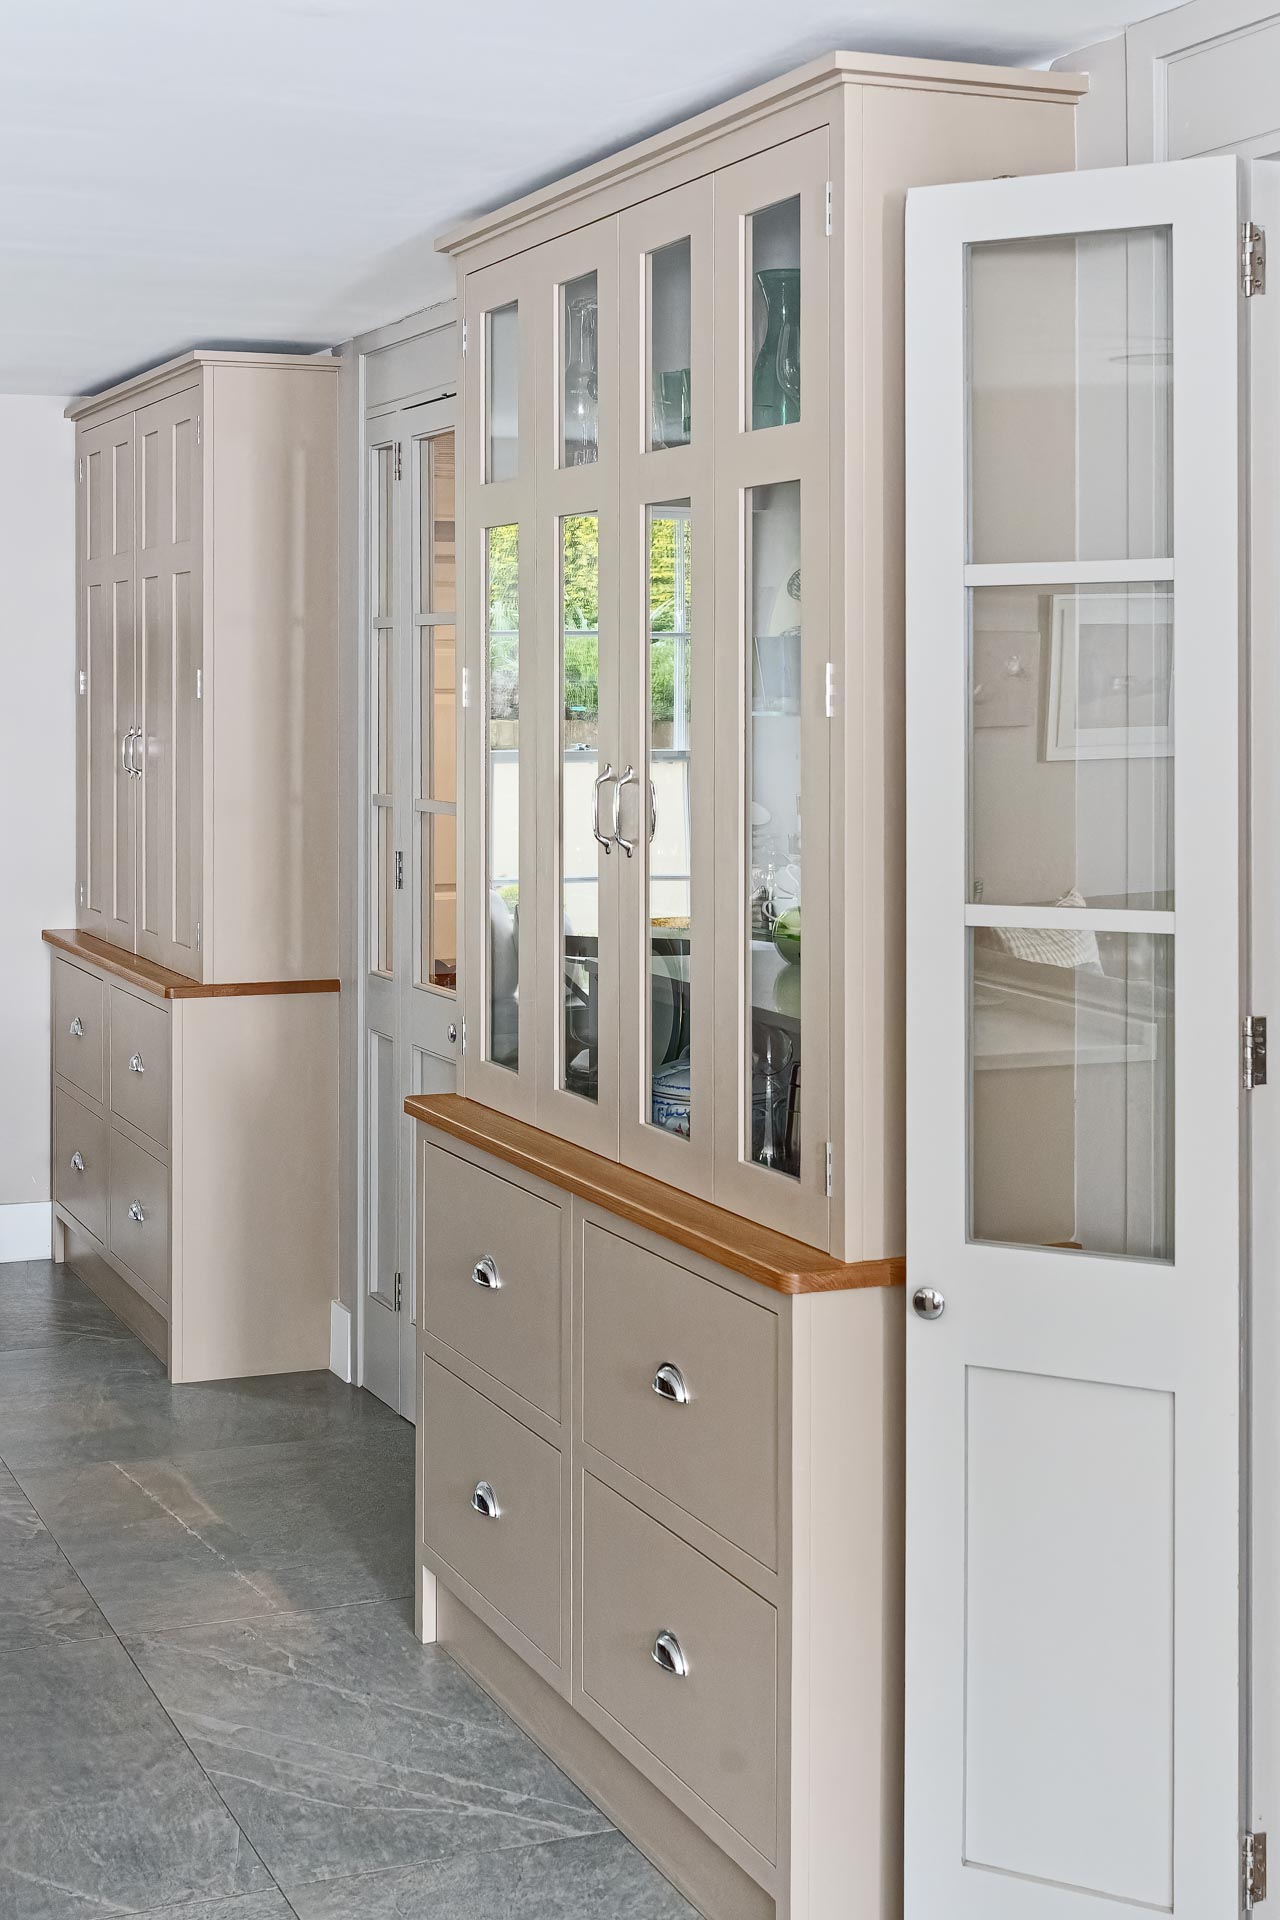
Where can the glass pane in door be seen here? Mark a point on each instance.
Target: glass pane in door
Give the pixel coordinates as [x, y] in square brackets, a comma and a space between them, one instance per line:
[1071, 398]
[580, 373]
[502, 392]
[580, 800]
[670, 344]
[1071, 1089]
[773, 818]
[382, 661]
[773, 314]
[439, 719]
[438, 584]
[502, 708]
[1071, 746]
[439, 858]
[670, 811]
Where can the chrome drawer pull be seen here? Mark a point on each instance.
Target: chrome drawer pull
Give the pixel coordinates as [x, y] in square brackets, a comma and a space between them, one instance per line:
[136, 1211]
[76, 1029]
[485, 1500]
[485, 1273]
[669, 1655]
[77, 1161]
[669, 1384]
[135, 1063]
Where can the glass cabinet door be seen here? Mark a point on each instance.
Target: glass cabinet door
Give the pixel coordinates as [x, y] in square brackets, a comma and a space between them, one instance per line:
[667, 904]
[499, 568]
[775, 693]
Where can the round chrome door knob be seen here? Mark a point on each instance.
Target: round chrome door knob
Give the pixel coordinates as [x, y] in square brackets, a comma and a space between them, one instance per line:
[928, 1303]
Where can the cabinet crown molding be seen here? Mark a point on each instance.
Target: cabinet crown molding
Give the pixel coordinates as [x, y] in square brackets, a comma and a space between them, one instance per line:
[835, 69]
[138, 384]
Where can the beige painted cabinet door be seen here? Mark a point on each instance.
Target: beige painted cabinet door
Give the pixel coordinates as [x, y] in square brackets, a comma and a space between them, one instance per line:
[170, 755]
[106, 714]
[773, 646]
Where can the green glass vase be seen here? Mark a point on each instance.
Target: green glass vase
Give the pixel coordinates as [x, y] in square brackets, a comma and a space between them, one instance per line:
[775, 379]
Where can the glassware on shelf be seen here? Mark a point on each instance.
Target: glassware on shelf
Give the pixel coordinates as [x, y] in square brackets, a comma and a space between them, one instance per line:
[772, 1058]
[581, 373]
[775, 383]
[671, 408]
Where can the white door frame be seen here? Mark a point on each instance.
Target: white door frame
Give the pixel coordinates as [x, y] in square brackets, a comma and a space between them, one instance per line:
[1033, 1310]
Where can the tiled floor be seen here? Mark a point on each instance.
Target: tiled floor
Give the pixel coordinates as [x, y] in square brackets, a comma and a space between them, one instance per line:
[212, 1703]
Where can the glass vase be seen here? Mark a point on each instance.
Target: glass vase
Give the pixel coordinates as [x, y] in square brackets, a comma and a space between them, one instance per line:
[775, 380]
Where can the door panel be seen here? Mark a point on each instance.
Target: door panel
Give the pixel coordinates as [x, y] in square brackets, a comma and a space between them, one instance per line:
[171, 745]
[105, 708]
[1074, 1131]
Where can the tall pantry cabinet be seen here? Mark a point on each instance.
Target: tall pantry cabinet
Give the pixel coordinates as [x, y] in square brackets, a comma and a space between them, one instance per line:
[194, 1015]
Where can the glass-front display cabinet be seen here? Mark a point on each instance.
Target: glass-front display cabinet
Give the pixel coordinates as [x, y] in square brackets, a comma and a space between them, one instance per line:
[681, 617]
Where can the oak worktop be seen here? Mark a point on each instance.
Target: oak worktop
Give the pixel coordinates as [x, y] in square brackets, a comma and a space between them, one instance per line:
[161, 981]
[741, 1245]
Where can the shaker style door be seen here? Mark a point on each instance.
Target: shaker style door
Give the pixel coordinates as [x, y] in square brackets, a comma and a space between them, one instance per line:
[1074, 999]
[499, 575]
[169, 752]
[666, 687]
[107, 743]
[772, 647]
[588, 803]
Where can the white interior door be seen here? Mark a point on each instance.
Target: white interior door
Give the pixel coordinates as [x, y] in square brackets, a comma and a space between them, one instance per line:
[1075, 996]
[410, 1026]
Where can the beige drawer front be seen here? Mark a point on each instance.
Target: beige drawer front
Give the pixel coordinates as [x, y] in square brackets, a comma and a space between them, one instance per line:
[139, 1180]
[513, 1561]
[715, 1727]
[140, 1063]
[80, 1162]
[77, 1027]
[476, 1221]
[715, 1453]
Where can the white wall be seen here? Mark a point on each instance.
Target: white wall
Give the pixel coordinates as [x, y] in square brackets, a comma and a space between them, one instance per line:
[37, 788]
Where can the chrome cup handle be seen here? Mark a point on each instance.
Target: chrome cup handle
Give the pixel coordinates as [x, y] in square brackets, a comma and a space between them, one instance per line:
[606, 773]
[135, 1063]
[669, 1384]
[137, 1212]
[669, 1655]
[485, 1501]
[627, 779]
[485, 1273]
[76, 1029]
[77, 1161]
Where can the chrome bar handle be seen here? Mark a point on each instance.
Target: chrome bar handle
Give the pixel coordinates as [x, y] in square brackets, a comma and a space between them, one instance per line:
[653, 812]
[669, 1384]
[137, 1212]
[125, 739]
[485, 1501]
[628, 779]
[606, 773]
[135, 1063]
[134, 768]
[77, 1161]
[669, 1655]
[485, 1273]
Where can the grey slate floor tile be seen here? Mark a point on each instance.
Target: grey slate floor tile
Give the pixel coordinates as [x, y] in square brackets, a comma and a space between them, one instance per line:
[236, 1531]
[46, 1306]
[598, 1877]
[247, 1906]
[343, 1746]
[104, 1806]
[39, 1593]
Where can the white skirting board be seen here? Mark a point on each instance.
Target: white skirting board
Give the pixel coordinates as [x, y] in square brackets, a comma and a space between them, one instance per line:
[26, 1230]
[340, 1341]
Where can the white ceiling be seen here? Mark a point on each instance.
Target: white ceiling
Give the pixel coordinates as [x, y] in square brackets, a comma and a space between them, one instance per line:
[252, 172]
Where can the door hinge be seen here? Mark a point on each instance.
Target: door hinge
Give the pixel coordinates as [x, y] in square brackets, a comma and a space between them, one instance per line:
[82, 893]
[399, 470]
[828, 210]
[1253, 259]
[464, 339]
[466, 686]
[197, 936]
[1254, 1864]
[829, 691]
[80, 469]
[399, 1293]
[399, 872]
[464, 1036]
[84, 682]
[199, 429]
[1254, 1051]
[199, 683]
[829, 1176]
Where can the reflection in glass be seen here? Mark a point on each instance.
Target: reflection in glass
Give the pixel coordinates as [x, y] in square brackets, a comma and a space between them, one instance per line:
[670, 344]
[382, 658]
[580, 439]
[1071, 746]
[439, 718]
[438, 585]
[439, 856]
[502, 710]
[1071, 1090]
[502, 398]
[382, 545]
[669, 815]
[1071, 369]
[773, 789]
[580, 763]
[775, 314]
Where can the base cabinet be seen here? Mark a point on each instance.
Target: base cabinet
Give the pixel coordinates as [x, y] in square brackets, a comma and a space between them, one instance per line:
[196, 1187]
[694, 1556]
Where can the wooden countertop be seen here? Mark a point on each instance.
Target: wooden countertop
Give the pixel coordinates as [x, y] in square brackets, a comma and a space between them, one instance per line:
[744, 1246]
[160, 981]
